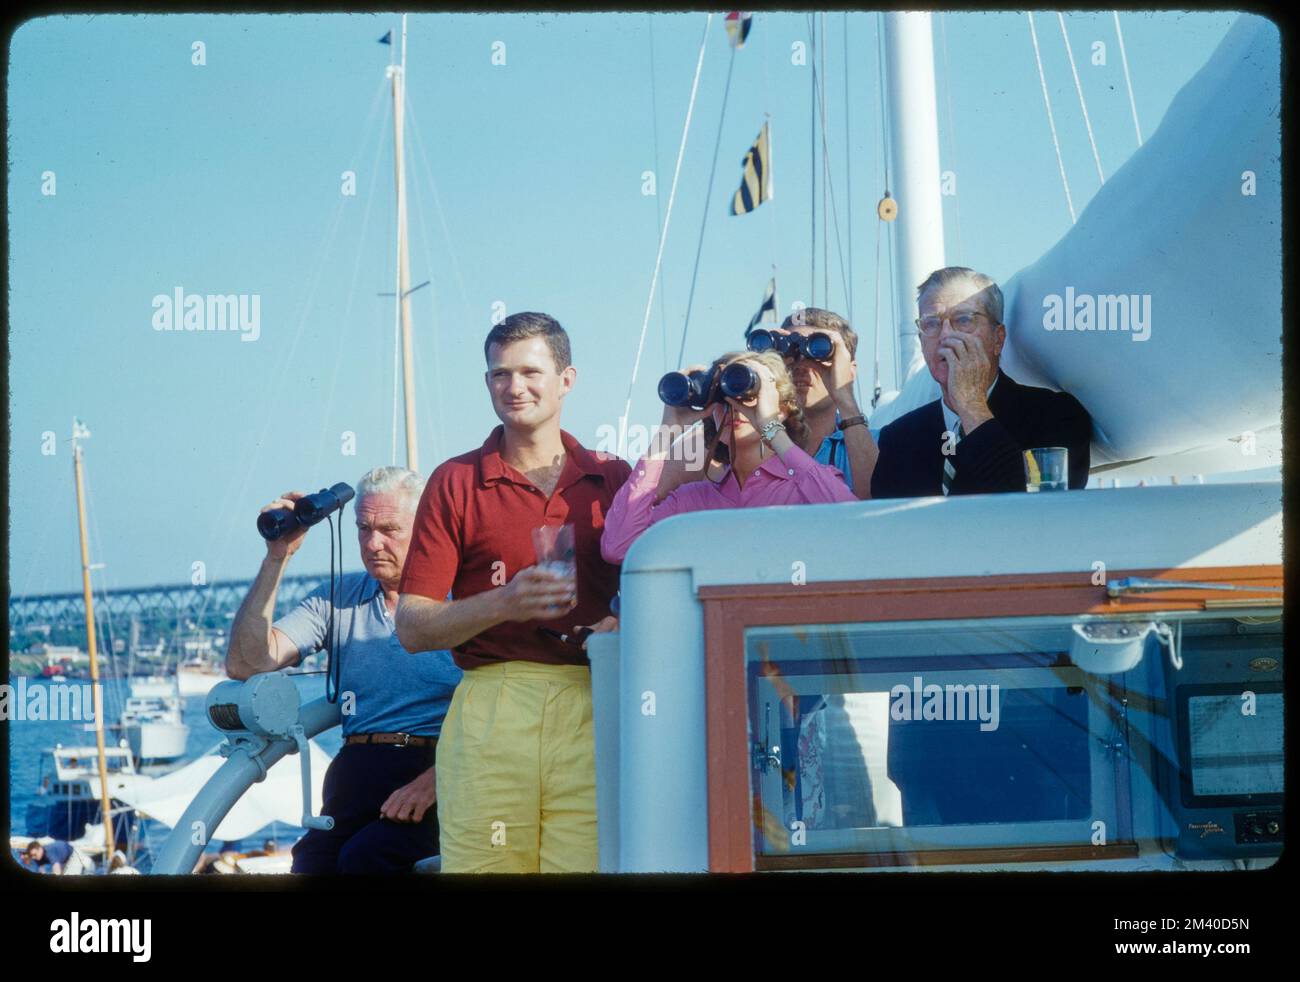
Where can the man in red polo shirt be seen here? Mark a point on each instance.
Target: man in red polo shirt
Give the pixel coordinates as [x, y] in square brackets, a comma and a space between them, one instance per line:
[516, 775]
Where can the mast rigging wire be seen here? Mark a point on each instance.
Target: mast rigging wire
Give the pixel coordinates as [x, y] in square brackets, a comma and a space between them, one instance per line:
[708, 201]
[389, 272]
[436, 358]
[313, 285]
[886, 145]
[848, 161]
[1078, 88]
[880, 222]
[423, 157]
[880, 88]
[403, 237]
[952, 133]
[812, 164]
[397, 331]
[659, 211]
[236, 501]
[826, 164]
[771, 202]
[663, 238]
[893, 304]
[829, 184]
[347, 309]
[1051, 122]
[875, 388]
[1128, 82]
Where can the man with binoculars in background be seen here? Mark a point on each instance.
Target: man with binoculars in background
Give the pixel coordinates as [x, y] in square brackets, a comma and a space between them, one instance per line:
[837, 427]
[381, 787]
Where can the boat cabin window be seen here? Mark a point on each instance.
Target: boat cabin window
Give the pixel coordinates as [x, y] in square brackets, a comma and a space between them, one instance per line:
[983, 741]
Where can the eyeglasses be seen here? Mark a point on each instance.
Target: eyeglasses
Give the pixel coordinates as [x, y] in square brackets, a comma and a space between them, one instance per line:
[963, 321]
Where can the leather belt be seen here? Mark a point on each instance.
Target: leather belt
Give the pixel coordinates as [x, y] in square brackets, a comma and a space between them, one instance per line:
[395, 739]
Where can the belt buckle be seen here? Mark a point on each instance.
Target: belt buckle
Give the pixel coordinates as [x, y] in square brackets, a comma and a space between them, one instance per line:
[406, 739]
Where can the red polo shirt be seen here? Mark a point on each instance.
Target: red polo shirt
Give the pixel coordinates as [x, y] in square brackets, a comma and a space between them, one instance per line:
[477, 512]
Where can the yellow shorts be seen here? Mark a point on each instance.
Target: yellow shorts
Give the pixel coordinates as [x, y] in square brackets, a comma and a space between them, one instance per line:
[516, 771]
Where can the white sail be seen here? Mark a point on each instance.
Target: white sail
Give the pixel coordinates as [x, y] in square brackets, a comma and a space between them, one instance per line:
[276, 799]
[1174, 228]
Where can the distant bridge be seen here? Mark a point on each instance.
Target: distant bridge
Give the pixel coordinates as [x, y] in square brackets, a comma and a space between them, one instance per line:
[161, 610]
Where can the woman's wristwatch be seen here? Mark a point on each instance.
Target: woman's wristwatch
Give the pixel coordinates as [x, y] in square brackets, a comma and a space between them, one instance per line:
[769, 431]
[858, 420]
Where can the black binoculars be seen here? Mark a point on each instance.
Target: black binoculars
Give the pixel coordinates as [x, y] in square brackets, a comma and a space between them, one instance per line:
[700, 389]
[307, 511]
[815, 347]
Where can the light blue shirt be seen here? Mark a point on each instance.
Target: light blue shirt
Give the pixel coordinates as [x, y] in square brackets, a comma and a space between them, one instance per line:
[394, 691]
[835, 452]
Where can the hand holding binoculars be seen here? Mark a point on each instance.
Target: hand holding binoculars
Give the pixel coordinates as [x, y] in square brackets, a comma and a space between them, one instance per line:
[700, 389]
[306, 512]
[814, 347]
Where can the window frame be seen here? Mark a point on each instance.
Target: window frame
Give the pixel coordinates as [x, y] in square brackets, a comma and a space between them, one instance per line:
[730, 610]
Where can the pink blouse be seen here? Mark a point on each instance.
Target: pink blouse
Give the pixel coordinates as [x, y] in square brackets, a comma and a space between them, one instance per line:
[799, 480]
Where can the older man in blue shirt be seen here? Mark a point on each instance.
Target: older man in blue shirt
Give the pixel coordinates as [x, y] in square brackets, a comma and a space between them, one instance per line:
[381, 788]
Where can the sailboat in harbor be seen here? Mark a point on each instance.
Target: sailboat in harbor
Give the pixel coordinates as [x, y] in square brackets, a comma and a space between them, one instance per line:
[77, 785]
[1118, 628]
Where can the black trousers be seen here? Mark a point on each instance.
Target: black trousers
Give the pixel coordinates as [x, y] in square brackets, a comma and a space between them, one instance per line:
[358, 782]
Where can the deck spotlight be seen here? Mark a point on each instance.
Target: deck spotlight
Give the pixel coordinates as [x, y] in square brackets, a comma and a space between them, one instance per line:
[1109, 647]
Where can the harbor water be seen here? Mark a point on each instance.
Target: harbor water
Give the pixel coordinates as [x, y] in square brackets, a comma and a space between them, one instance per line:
[29, 739]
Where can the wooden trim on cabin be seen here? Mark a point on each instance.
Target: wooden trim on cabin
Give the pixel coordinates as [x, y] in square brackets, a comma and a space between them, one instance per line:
[725, 714]
[729, 610]
[947, 857]
[1079, 594]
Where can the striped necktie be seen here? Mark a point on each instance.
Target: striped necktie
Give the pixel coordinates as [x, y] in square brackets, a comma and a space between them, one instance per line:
[949, 471]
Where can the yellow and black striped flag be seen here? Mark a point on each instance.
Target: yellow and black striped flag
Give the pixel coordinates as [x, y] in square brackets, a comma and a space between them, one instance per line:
[756, 176]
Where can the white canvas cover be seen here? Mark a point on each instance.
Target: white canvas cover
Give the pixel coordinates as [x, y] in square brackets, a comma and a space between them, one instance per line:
[1173, 228]
[276, 799]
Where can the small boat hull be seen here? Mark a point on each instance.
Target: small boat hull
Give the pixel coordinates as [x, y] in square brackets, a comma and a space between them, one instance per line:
[193, 682]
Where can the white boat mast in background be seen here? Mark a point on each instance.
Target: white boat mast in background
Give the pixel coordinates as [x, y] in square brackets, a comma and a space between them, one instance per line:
[397, 73]
[913, 126]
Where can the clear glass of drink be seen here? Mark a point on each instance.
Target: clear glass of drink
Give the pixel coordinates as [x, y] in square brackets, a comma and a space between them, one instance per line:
[556, 552]
[1047, 469]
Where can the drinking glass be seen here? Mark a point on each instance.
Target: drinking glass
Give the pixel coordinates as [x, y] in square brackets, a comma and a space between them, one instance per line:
[556, 552]
[1047, 469]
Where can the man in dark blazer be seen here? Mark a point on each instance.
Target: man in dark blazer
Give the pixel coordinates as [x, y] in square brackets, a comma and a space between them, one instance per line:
[971, 441]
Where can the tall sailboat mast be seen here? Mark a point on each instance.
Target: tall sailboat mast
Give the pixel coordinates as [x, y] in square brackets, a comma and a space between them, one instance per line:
[98, 690]
[914, 164]
[397, 73]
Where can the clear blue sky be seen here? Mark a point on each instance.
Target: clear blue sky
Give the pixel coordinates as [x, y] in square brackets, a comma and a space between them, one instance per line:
[225, 178]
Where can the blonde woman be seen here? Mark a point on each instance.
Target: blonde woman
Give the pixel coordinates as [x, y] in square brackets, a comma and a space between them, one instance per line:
[753, 459]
